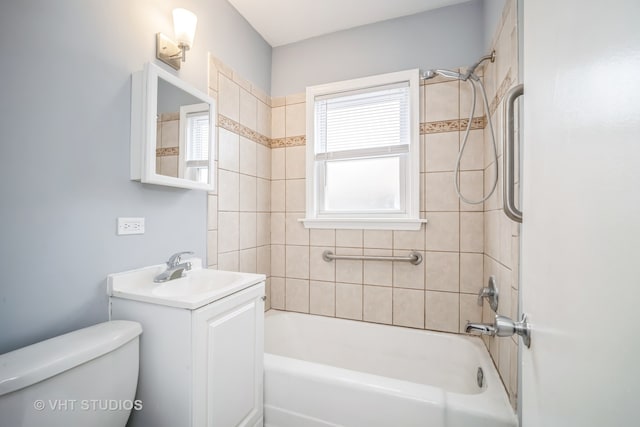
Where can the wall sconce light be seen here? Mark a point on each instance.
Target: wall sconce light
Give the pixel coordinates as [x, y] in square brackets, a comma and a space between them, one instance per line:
[173, 52]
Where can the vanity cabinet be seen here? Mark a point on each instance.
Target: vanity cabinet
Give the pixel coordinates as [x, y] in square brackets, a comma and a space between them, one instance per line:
[199, 367]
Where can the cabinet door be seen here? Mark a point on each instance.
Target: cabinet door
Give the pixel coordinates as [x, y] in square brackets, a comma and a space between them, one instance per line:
[228, 360]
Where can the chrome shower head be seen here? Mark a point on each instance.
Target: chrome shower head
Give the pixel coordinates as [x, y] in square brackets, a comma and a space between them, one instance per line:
[429, 74]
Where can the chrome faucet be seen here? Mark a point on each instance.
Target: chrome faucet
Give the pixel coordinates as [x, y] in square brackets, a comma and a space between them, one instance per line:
[175, 268]
[503, 327]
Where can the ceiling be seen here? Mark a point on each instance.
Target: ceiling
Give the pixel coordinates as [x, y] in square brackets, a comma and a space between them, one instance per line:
[282, 22]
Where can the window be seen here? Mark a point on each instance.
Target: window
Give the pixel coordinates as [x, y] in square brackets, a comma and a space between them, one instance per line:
[363, 153]
[193, 162]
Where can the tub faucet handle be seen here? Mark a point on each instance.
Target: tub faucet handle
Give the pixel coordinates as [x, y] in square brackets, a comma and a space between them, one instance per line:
[490, 293]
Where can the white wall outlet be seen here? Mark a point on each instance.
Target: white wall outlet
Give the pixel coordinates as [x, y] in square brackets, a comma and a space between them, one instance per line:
[130, 226]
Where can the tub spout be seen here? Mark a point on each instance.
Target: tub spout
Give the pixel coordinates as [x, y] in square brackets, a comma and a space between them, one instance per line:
[481, 328]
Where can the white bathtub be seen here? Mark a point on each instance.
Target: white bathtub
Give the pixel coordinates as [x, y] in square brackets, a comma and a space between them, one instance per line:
[322, 371]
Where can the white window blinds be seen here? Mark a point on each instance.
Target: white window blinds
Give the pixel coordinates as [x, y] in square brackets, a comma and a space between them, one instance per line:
[374, 119]
[198, 136]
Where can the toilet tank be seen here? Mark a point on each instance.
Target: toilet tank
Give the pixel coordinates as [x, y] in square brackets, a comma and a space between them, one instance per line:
[86, 377]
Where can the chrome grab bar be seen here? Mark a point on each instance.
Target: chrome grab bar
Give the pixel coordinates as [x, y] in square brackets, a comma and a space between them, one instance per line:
[508, 180]
[414, 258]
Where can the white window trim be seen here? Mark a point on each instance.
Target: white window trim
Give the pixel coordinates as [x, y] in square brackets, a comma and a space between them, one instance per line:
[410, 220]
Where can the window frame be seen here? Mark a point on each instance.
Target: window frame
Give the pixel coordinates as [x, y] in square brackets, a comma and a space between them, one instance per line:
[409, 216]
[184, 165]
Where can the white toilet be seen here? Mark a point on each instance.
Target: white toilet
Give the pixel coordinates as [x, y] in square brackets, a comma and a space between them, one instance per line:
[84, 378]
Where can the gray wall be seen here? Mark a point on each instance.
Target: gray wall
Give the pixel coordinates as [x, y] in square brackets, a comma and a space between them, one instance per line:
[491, 15]
[443, 38]
[64, 159]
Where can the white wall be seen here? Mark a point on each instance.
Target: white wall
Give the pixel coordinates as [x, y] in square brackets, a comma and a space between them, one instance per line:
[443, 38]
[492, 12]
[64, 152]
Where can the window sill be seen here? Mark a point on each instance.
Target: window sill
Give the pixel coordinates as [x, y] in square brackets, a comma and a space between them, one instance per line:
[364, 223]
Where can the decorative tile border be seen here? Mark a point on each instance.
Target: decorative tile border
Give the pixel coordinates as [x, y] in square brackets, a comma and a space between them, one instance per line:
[501, 92]
[166, 152]
[291, 141]
[454, 125]
[235, 127]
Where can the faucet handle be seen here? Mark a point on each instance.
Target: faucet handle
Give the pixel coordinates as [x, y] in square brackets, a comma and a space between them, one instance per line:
[177, 257]
[491, 293]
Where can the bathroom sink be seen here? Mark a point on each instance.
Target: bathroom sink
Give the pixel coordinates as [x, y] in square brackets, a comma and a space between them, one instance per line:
[199, 287]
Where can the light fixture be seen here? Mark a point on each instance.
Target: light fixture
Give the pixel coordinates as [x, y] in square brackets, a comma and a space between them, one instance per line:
[173, 52]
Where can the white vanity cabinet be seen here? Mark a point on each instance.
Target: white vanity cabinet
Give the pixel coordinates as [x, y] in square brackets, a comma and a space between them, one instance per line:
[199, 366]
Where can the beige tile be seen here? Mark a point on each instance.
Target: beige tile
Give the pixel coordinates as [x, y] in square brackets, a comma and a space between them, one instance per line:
[322, 237]
[423, 192]
[278, 122]
[212, 73]
[471, 231]
[348, 271]
[322, 298]
[228, 98]
[505, 240]
[409, 239]
[248, 110]
[349, 238]
[297, 262]
[263, 166]
[228, 191]
[248, 157]
[263, 260]
[472, 188]
[212, 248]
[247, 230]
[278, 163]
[277, 293]
[277, 260]
[278, 101]
[442, 312]
[295, 233]
[229, 232]
[441, 151]
[248, 193]
[442, 271]
[229, 261]
[513, 370]
[277, 228]
[443, 232]
[295, 123]
[407, 275]
[263, 229]
[378, 273]
[228, 150]
[295, 162]
[278, 196]
[297, 295]
[296, 98]
[295, 195]
[441, 193]
[470, 311]
[379, 239]
[466, 96]
[169, 166]
[212, 212]
[473, 157]
[248, 259]
[241, 81]
[349, 301]
[319, 269]
[504, 363]
[441, 101]
[408, 307]
[378, 304]
[264, 119]
[170, 131]
[263, 195]
[471, 276]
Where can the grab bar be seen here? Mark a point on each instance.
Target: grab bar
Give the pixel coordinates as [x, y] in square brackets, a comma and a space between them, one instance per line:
[414, 258]
[508, 180]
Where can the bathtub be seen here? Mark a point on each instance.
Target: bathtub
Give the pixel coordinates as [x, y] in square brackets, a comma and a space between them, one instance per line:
[322, 371]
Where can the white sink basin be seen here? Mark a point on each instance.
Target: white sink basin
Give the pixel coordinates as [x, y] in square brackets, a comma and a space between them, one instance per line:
[198, 288]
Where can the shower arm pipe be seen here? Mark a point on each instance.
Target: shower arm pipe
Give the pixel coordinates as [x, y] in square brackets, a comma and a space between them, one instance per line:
[414, 258]
[472, 69]
[508, 159]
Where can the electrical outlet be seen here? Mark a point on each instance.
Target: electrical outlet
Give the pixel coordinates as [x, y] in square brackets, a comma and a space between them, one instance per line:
[130, 226]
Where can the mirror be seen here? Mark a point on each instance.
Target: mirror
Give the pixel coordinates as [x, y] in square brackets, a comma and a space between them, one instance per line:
[172, 131]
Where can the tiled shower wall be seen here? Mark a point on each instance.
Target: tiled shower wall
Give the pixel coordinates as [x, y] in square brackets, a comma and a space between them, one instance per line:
[502, 236]
[254, 219]
[239, 216]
